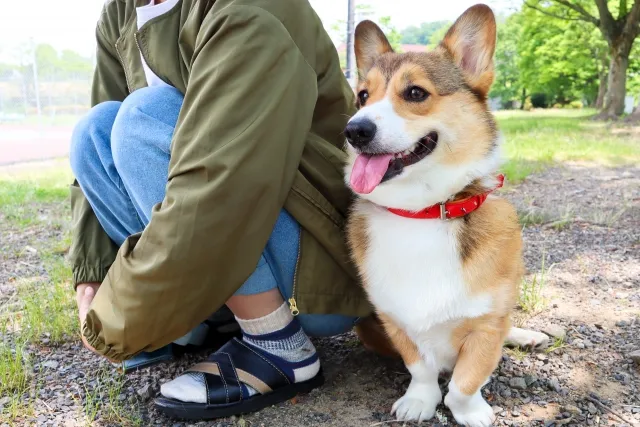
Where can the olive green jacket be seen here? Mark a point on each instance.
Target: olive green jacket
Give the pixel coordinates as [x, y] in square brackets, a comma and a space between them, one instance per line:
[265, 103]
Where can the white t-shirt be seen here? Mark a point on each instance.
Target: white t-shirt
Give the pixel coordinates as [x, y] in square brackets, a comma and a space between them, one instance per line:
[145, 14]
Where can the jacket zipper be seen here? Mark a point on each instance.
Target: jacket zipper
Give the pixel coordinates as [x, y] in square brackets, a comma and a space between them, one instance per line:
[124, 68]
[293, 305]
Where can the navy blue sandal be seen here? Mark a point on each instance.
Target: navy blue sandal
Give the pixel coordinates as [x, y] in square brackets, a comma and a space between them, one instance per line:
[227, 374]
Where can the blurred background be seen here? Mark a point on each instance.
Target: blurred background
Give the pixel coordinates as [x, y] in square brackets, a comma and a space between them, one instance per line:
[549, 54]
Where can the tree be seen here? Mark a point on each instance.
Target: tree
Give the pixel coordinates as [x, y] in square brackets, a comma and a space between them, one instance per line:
[391, 32]
[422, 34]
[508, 86]
[619, 32]
[559, 58]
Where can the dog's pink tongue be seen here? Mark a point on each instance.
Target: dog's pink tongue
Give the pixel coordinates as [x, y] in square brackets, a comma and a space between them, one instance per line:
[368, 171]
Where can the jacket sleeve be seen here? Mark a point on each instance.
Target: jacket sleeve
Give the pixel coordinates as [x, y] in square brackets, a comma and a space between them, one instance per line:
[247, 111]
[92, 251]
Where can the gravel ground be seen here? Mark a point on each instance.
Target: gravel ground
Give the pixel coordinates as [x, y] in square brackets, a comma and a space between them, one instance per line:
[588, 232]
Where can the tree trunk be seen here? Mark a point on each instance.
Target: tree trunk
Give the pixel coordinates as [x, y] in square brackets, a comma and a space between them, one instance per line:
[616, 83]
[602, 90]
[634, 117]
[523, 98]
[602, 76]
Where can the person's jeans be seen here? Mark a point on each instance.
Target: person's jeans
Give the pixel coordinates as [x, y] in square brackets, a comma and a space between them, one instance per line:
[120, 154]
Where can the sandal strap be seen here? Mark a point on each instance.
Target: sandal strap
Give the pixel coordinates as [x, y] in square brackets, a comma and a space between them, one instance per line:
[234, 364]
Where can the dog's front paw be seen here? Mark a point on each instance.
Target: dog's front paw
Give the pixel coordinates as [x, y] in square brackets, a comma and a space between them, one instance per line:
[418, 404]
[472, 413]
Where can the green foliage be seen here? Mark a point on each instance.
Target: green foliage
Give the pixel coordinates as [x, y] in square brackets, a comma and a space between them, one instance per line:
[559, 58]
[422, 34]
[539, 100]
[438, 35]
[507, 85]
[393, 35]
[67, 64]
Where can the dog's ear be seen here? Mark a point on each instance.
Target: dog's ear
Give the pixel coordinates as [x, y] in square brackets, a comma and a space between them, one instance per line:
[472, 42]
[370, 43]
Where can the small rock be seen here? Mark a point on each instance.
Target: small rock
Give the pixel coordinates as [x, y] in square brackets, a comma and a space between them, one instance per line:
[622, 323]
[635, 356]
[635, 410]
[518, 383]
[554, 385]
[144, 392]
[530, 379]
[592, 409]
[51, 364]
[497, 409]
[571, 409]
[515, 413]
[555, 331]
[542, 357]
[587, 343]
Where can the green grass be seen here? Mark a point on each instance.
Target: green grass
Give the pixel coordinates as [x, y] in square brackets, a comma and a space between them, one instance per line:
[531, 299]
[102, 400]
[49, 308]
[537, 139]
[558, 344]
[43, 306]
[15, 380]
[22, 193]
[517, 353]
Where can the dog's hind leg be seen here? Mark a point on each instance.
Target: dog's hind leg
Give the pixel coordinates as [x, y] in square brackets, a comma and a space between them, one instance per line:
[526, 338]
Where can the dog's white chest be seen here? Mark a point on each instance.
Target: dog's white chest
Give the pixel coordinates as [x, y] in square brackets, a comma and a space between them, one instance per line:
[414, 272]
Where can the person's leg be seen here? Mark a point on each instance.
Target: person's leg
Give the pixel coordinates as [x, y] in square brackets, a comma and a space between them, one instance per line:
[93, 166]
[141, 145]
[141, 136]
[266, 319]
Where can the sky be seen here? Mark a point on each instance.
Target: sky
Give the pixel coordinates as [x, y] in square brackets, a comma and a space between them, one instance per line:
[53, 22]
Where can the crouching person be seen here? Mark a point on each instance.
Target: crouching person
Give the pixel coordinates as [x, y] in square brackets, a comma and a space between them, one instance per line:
[209, 175]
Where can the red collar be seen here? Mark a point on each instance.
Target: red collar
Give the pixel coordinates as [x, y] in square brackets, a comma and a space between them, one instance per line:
[449, 210]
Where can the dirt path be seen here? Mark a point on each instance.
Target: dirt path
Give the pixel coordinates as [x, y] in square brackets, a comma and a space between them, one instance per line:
[584, 221]
[24, 143]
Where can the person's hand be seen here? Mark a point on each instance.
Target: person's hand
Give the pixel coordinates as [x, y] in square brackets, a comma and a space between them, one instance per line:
[85, 292]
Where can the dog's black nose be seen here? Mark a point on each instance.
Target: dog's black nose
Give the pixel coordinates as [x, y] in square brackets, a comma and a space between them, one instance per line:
[359, 133]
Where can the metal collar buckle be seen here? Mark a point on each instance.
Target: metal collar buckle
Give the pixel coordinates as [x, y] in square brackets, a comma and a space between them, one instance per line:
[443, 212]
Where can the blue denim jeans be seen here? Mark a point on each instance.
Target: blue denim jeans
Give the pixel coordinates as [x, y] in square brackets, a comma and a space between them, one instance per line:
[120, 154]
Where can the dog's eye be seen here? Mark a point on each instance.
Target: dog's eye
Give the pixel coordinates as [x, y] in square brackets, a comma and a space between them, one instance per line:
[416, 94]
[363, 95]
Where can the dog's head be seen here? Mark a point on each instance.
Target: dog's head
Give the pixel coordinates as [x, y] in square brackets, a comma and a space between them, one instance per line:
[423, 131]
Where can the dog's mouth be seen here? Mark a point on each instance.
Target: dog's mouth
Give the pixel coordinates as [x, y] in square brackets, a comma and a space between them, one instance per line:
[372, 169]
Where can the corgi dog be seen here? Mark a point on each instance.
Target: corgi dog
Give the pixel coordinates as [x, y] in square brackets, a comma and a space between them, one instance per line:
[440, 257]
